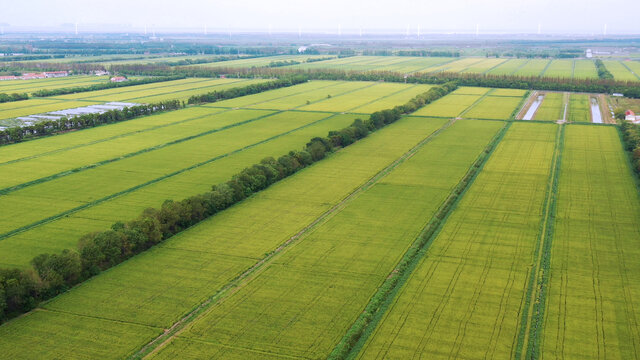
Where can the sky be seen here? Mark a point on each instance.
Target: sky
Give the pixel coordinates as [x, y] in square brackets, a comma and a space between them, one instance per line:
[489, 16]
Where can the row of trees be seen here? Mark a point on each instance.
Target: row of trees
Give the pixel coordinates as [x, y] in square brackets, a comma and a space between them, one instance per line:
[102, 86]
[13, 97]
[22, 289]
[631, 138]
[603, 72]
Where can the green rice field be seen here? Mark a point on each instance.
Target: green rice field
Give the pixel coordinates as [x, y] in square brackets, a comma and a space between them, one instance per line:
[454, 232]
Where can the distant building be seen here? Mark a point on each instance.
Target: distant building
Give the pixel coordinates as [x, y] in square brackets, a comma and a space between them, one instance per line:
[55, 74]
[302, 49]
[101, 72]
[32, 76]
[119, 79]
[8, 78]
[589, 54]
[631, 116]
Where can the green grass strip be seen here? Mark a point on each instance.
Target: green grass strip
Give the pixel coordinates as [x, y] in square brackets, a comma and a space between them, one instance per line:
[355, 338]
[545, 68]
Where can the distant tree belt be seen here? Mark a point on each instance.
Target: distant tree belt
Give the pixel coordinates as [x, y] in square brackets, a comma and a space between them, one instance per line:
[79, 68]
[50, 127]
[51, 274]
[603, 73]
[628, 88]
[13, 97]
[631, 139]
[102, 86]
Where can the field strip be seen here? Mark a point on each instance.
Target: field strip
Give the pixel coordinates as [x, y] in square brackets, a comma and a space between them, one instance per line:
[433, 65]
[161, 85]
[539, 271]
[150, 182]
[475, 103]
[495, 66]
[144, 130]
[383, 97]
[573, 69]
[132, 154]
[398, 276]
[545, 68]
[236, 283]
[253, 351]
[628, 68]
[520, 67]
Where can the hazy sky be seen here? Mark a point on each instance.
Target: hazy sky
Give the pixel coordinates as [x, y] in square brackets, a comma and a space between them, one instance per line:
[554, 16]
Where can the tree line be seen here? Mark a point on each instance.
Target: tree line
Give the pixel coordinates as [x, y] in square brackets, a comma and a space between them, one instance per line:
[603, 72]
[13, 97]
[103, 86]
[51, 274]
[631, 139]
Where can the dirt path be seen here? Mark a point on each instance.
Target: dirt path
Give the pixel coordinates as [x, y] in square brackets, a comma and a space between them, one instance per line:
[527, 104]
[242, 279]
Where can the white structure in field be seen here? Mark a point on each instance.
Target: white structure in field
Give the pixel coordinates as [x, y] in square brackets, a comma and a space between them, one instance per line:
[631, 116]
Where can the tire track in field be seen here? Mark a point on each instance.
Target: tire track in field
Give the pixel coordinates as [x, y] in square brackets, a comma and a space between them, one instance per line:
[534, 304]
[235, 284]
[157, 127]
[152, 148]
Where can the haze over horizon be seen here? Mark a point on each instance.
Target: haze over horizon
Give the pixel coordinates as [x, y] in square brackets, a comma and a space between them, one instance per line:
[462, 16]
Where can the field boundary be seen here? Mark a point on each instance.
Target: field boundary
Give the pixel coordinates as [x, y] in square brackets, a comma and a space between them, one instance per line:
[357, 335]
[461, 114]
[539, 275]
[232, 286]
[628, 68]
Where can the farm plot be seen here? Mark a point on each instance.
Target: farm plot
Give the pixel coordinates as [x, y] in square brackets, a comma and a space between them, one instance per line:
[494, 107]
[508, 67]
[579, 108]
[177, 89]
[390, 101]
[559, 69]
[72, 140]
[585, 69]
[455, 66]
[534, 67]
[219, 155]
[552, 107]
[174, 277]
[594, 291]
[355, 99]
[303, 302]
[449, 106]
[484, 66]
[619, 71]
[29, 86]
[464, 299]
[634, 66]
[167, 90]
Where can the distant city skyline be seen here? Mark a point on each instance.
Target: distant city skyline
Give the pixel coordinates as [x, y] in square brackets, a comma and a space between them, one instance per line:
[454, 16]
